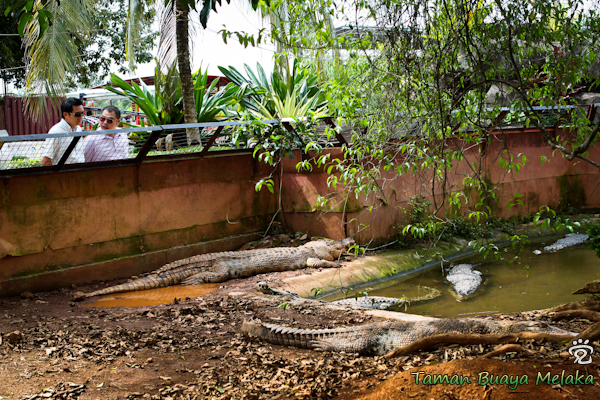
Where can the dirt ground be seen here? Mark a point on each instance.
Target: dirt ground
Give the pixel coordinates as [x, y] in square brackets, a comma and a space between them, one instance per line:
[53, 348]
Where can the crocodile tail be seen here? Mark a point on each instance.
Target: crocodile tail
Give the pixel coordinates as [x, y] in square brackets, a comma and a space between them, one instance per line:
[356, 337]
[167, 278]
[278, 334]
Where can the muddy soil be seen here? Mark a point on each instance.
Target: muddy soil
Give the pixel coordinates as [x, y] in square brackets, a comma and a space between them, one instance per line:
[53, 348]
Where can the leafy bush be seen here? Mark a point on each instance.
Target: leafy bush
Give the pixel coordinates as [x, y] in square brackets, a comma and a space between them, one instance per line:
[165, 106]
[594, 233]
[282, 95]
[23, 162]
[161, 108]
[423, 226]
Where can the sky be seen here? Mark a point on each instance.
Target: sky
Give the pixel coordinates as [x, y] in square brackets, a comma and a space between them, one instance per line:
[210, 51]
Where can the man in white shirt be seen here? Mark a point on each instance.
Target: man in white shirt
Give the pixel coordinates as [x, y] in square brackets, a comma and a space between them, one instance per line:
[54, 148]
[112, 146]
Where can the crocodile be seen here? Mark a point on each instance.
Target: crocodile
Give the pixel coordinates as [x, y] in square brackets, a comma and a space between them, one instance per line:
[219, 267]
[383, 337]
[570, 239]
[374, 302]
[465, 279]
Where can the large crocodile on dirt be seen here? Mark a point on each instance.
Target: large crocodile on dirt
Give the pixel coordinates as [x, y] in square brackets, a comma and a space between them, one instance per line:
[384, 337]
[219, 267]
[374, 302]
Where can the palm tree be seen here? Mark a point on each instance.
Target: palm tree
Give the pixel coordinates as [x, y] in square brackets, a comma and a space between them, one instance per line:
[50, 55]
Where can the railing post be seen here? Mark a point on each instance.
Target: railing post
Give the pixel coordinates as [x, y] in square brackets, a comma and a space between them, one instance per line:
[291, 130]
[338, 136]
[148, 144]
[211, 140]
[68, 152]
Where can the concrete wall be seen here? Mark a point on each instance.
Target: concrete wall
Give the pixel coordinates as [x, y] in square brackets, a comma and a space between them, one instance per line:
[558, 183]
[120, 221]
[76, 227]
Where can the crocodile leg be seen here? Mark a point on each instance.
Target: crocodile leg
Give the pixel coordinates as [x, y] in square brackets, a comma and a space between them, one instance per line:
[220, 273]
[317, 263]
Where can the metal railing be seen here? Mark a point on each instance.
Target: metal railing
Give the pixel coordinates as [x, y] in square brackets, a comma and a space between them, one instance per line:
[24, 155]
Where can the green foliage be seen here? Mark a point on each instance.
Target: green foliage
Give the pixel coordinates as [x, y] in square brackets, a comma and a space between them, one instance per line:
[423, 226]
[165, 105]
[208, 5]
[160, 108]
[23, 162]
[106, 48]
[414, 88]
[282, 95]
[517, 243]
[594, 233]
[25, 11]
[211, 106]
[11, 51]
[549, 219]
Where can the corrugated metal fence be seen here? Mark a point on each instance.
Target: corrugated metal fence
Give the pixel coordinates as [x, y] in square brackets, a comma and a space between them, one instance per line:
[18, 122]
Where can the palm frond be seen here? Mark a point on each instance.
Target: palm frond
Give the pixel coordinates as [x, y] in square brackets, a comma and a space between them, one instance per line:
[52, 55]
[167, 44]
[134, 21]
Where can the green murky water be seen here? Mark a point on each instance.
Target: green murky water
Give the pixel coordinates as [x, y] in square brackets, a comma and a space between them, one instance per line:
[549, 281]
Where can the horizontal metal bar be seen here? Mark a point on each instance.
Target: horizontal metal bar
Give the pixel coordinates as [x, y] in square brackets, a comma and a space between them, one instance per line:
[211, 124]
[26, 138]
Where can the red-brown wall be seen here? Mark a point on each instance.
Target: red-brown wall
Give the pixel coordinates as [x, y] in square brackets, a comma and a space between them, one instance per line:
[119, 221]
[76, 227]
[557, 183]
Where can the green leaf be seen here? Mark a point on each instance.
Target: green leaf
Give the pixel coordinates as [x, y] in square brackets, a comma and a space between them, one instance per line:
[25, 18]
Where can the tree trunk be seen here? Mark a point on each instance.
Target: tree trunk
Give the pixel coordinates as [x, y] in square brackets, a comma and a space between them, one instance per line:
[185, 73]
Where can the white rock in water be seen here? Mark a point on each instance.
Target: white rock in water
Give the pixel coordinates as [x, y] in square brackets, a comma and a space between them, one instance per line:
[570, 240]
[537, 252]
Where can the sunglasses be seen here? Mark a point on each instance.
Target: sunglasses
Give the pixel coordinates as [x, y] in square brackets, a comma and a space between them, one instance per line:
[78, 114]
[103, 118]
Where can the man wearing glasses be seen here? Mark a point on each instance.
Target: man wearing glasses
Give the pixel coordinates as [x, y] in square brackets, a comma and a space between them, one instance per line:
[111, 146]
[54, 148]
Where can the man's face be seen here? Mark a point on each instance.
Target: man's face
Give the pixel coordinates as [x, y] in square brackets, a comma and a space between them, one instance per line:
[74, 117]
[108, 120]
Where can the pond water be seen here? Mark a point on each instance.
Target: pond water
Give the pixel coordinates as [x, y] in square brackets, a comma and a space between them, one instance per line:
[549, 281]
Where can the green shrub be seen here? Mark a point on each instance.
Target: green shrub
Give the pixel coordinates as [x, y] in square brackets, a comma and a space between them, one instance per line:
[23, 162]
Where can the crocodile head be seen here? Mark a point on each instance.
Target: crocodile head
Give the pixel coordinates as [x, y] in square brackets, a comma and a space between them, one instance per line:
[330, 249]
[537, 327]
[340, 246]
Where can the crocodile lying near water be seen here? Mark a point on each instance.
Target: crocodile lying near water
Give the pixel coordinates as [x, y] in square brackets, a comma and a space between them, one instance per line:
[384, 337]
[219, 267]
[465, 279]
[374, 302]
